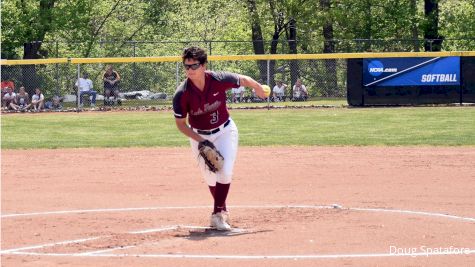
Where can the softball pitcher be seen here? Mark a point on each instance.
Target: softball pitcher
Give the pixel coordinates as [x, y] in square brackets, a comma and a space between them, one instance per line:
[201, 98]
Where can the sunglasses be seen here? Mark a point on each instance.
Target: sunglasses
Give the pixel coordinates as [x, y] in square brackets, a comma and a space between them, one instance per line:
[192, 66]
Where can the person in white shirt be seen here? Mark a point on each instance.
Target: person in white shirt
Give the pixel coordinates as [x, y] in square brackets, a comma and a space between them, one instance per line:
[238, 94]
[8, 98]
[85, 87]
[279, 91]
[38, 100]
[300, 92]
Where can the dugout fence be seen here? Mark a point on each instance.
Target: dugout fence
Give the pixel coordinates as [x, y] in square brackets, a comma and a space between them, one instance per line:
[150, 81]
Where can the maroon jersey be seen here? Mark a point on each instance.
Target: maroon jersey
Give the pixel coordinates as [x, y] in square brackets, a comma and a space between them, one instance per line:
[206, 109]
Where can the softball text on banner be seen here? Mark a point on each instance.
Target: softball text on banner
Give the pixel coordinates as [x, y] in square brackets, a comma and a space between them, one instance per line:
[416, 71]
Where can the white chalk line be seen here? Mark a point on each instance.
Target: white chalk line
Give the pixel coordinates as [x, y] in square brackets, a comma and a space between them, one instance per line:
[49, 245]
[425, 213]
[334, 206]
[147, 231]
[82, 240]
[97, 210]
[155, 208]
[101, 253]
[250, 257]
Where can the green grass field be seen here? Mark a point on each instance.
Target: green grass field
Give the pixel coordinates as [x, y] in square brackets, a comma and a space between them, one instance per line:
[435, 126]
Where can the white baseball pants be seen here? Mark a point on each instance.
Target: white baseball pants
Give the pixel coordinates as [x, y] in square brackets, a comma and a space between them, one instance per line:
[226, 141]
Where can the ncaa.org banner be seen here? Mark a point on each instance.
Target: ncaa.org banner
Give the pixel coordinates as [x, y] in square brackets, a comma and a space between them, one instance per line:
[415, 71]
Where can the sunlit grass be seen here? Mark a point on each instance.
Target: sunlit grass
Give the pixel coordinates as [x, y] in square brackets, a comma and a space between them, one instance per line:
[439, 126]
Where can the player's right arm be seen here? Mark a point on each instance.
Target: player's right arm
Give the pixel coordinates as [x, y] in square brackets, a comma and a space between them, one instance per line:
[247, 81]
[186, 130]
[180, 112]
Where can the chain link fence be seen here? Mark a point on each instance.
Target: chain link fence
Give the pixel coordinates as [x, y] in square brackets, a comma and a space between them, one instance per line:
[152, 83]
[147, 81]
[116, 48]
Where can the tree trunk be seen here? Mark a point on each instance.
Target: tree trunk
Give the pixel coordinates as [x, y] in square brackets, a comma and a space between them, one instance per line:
[257, 40]
[330, 78]
[30, 79]
[367, 32]
[292, 41]
[415, 30]
[278, 28]
[433, 41]
[272, 63]
[32, 49]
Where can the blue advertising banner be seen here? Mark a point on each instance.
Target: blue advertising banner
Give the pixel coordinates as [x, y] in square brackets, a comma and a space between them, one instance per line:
[411, 71]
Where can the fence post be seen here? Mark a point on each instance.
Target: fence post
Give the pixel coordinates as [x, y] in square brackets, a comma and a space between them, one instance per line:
[58, 93]
[268, 82]
[134, 68]
[177, 74]
[78, 93]
[210, 51]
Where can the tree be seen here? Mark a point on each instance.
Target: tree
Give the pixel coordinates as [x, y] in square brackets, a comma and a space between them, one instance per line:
[431, 27]
[37, 31]
[257, 39]
[457, 24]
[414, 25]
[32, 21]
[329, 47]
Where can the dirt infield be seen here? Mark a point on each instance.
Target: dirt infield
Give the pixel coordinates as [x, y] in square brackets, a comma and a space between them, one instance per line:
[290, 206]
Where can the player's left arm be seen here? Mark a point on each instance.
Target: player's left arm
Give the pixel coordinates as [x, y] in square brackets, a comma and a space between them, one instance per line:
[247, 81]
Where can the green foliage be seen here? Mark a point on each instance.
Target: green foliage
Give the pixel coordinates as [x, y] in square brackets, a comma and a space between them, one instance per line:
[104, 28]
[458, 20]
[439, 126]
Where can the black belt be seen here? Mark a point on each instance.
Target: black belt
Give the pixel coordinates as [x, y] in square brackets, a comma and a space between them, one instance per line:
[212, 131]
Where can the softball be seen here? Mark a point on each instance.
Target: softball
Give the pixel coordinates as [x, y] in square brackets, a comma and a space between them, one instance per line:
[266, 89]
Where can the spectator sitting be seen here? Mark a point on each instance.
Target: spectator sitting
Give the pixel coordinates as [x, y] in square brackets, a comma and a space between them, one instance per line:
[5, 85]
[55, 104]
[8, 98]
[111, 86]
[279, 91]
[85, 87]
[254, 98]
[22, 100]
[238, 94]
[37, 100]
[300, 92]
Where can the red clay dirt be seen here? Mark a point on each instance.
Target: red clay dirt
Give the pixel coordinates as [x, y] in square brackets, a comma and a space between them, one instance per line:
[274, 201]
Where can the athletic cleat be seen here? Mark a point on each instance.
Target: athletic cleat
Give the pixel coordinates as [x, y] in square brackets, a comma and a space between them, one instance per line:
[218, 221]
[225, 216]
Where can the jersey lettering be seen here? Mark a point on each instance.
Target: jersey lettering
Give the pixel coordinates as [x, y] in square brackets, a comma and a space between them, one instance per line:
[206, 108]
